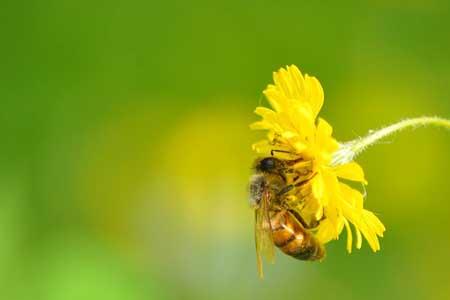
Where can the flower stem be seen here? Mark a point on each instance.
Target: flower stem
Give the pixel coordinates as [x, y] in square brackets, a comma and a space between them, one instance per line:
[349, 150]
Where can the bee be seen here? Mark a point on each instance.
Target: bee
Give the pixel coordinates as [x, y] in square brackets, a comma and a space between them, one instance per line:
[275, 223]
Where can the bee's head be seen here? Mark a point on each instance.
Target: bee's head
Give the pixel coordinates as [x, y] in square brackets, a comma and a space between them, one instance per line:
[268, 165]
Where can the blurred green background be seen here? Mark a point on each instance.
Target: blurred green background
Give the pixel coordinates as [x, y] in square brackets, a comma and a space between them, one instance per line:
[125, 148]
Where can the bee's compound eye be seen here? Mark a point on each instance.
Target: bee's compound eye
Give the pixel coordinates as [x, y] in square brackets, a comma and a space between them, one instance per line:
[267, 164]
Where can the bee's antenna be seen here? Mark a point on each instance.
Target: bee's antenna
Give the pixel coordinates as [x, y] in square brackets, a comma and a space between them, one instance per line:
[281, 151]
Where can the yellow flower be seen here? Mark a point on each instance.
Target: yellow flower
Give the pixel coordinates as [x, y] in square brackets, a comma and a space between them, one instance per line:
[295, 133]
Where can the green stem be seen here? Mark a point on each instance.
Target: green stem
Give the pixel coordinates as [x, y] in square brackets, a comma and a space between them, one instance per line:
[349, 150]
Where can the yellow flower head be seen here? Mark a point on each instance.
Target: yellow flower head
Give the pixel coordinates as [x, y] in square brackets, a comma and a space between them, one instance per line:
[295, 133]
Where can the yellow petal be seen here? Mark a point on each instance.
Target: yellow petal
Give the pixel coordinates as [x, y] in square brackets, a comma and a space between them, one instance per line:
[261, 125]
[332, 214]
[331, 182]
[303, 121]
[297, 81]
[262, 147]
[324, 129]
[349, 236]
[326, 231]
[324, 139]
[290, 82]
[315, 94]
[265, 112]
[318, 186]
[351, 171]
[282, 81]
[358, 238]
[370, 236]
[277, 100]
[373, 222]
[289, 134]
[299, 146]
[359, 220]
[352, 196]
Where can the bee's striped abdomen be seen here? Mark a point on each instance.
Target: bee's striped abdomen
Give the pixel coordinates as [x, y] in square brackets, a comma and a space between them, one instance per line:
[294, 240]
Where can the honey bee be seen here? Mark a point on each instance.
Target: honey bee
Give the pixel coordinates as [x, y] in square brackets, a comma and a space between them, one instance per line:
[275, 223]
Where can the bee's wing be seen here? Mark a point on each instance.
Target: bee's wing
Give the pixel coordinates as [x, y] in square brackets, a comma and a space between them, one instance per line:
[263, 234]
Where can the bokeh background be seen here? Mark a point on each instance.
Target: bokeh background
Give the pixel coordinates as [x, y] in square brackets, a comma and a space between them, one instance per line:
[125, 148]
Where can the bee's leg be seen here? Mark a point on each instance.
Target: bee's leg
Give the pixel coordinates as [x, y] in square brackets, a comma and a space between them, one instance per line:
[312, 225]
[316, 223]
[295, 162]
[300, 219]
[298, 182]
[285, 190]
[302, 180]
[302, 164]
[299, 166]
